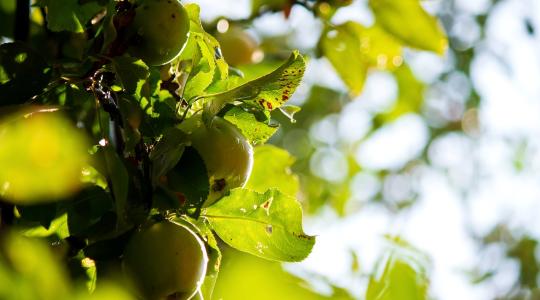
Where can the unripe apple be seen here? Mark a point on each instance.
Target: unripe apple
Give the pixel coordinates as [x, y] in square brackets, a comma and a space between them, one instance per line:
[165, 259]
[227, 154]
[160, 29]
[238, 47]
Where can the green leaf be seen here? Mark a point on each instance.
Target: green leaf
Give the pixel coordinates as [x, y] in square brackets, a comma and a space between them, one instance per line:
[23, 73]
[255, 131]
[7, 17]
[342, 48]
[197, 29]
[35, 271]
[202, 50]
[409, 22]
[189, 178]
[70, 15]
[58, 226]
[108, 249]
[402, 274]
[267, 92]
[202, 73]
[131, 72]
[353, 49]
[117, 175]
[272, 169]
[167, 152]
[267, 225]
[214, 258]
[245, 276]
[44, 214]
[87, 208]
[289, 111]
[158, 105]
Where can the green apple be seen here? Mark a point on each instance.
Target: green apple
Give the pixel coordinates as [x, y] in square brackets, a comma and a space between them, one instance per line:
[238, 47]
[165, 259]
[160, 29]
[227, 154]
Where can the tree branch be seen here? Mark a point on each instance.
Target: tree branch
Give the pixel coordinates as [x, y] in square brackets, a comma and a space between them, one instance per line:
[22, 20]
[6, 214]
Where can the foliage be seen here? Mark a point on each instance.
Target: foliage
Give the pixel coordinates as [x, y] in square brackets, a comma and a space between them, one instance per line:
[98, 140]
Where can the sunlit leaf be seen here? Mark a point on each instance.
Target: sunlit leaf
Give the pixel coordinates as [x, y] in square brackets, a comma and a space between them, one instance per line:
[289, 111]
[256, 132]
[267, 225]
[268, 92]
[272, 169]
[70, 15]
[342, 48]
[131, 72]
[202, 51]
[248, 277]
[58, 227]
[353, 49]
[409, 22]
[401, 274]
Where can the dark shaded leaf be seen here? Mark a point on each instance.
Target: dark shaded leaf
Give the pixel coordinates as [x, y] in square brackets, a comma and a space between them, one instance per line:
[23, 73]
[189, 180]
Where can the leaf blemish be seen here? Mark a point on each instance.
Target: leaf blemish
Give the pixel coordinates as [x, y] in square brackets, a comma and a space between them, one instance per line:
[302, 236]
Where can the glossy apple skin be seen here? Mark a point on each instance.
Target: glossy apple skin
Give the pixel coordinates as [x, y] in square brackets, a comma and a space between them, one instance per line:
[165, 259]
[160, 31]
[227, 154]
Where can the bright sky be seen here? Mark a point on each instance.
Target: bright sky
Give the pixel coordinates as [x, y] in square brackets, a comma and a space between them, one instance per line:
[507, 75]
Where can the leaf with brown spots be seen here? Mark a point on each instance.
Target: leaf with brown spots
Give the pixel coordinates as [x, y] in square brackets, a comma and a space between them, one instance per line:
[267, 92]
[267, 225]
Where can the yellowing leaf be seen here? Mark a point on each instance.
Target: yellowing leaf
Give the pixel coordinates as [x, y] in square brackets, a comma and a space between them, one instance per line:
[409, 22]
[353, 49]
[342, 48]
[41, 157]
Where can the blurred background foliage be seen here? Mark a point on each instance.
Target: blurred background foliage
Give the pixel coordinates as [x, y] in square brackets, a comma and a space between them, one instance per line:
[375, 52]
[389, 99]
